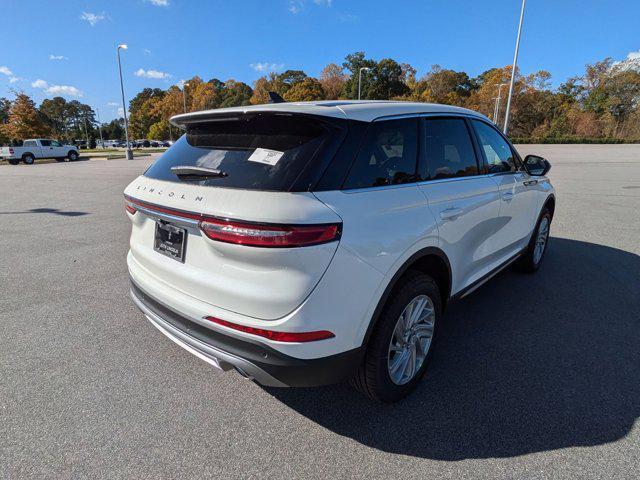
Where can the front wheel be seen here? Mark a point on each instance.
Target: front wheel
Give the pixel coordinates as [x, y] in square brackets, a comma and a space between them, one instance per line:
[28, 159]
[72, 156]
[400, 347]
[534, 254]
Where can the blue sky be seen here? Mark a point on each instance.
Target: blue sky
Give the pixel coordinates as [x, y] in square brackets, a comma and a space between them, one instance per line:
[69, 47]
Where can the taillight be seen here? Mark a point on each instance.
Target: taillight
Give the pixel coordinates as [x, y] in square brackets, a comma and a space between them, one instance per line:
[128, 206]
[246, 233]
[297, 337]
[11, 151]
[261, 235]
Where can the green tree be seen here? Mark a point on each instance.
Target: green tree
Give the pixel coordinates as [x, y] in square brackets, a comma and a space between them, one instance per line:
[24, 120]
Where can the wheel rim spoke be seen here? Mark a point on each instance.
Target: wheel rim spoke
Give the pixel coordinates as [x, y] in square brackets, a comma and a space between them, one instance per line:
[411, 339]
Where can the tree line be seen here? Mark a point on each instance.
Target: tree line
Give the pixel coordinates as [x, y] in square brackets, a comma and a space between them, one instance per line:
[601, 105]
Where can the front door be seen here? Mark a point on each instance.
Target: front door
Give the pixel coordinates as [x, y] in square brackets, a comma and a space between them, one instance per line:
[517, 192]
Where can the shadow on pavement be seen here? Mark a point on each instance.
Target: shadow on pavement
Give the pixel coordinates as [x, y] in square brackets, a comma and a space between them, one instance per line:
[528, 363]
[54, 211]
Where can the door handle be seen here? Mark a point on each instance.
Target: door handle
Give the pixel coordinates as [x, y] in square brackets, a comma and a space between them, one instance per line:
[530, 182]
[507, 196]
[450, 213]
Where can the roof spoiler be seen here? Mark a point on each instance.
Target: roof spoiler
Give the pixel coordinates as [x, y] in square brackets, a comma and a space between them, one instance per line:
[275, 98]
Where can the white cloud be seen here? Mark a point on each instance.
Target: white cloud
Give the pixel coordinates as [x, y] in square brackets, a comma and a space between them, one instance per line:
[159, 3]
[181, 83]
[57, 57]
[633, 55]
[266, 66]
[15, 79]
[151, 73]
[112, 104]
[39, 84]
[6, 71]
[296, 6]
[147, 51]
[62, 90]
[120, 112]
[347, 17]
[92, 18]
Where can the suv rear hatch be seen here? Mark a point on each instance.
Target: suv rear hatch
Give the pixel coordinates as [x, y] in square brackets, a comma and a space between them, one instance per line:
[225, 214]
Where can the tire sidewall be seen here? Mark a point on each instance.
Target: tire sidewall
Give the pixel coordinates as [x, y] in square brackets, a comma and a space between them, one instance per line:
[386, 389]
[72, 156]
[28, 159]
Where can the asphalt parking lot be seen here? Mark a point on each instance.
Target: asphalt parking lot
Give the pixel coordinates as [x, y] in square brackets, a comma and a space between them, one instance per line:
[535, 376]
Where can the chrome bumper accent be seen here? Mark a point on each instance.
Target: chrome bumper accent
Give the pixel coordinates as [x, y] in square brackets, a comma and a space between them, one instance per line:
[214, 356]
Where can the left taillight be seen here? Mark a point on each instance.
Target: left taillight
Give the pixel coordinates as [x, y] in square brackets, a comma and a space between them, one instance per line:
[128, 206]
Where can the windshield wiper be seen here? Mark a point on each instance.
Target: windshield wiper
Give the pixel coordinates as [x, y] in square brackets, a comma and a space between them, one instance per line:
[185, 172]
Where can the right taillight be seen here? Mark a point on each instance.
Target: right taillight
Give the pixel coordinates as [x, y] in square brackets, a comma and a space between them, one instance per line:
[267, 235]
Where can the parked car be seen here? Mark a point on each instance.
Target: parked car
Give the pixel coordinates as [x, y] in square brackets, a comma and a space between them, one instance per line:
[38, 148]
[325, 244]
[154, 143]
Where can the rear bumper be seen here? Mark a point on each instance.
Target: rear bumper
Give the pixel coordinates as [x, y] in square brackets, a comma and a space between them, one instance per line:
[255, 360]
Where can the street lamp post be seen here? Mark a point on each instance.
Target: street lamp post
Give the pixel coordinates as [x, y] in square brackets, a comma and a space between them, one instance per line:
[513, 70]
[496, 109]
[365, 69]
[129, 153]
[100, 128]
[184, 96]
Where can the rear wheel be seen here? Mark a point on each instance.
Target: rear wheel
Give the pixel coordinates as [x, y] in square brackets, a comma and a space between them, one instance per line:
[28, 159]
[533, 256]
[72, 156]
[400, 347]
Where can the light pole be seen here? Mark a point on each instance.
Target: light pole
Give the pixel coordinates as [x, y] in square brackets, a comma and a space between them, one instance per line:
[100, 128]
[513, 70]
[184, 96]
[496, 109]
[365, 69]
[129, 154]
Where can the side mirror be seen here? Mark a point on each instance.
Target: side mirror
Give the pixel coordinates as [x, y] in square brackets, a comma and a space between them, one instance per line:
[536, 165]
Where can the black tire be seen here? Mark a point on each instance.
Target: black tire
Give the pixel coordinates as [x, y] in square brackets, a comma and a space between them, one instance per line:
[14, 161]
[530, 262]
[72, 155]
[28, 159]
[373, 378]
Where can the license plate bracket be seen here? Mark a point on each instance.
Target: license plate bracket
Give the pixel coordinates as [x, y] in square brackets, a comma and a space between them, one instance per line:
[170, 241]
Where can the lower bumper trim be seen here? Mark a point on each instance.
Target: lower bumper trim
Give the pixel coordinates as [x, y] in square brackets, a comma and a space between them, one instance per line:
[253, 360]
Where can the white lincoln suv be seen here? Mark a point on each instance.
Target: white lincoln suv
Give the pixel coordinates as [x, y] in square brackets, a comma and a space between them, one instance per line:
[309, 243]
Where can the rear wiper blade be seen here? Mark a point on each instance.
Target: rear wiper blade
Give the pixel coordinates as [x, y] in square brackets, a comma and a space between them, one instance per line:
[189, 172]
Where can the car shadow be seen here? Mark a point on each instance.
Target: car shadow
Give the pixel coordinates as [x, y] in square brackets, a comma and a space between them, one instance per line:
[528, 363]
[53, 211]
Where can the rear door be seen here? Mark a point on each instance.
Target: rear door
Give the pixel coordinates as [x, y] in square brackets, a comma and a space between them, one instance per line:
[464, 201]
[518, 197]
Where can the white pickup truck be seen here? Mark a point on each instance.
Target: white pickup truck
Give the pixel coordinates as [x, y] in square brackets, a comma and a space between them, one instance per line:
[39, 148]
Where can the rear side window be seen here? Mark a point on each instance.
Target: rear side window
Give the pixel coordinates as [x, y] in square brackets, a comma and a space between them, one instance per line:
[257, 152]
[448, 149]
[388, 155]
[29, 143]
[497, 151]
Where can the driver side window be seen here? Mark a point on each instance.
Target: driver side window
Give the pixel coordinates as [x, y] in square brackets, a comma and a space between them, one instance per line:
[496, 150]
[388, 155]
[54, 143]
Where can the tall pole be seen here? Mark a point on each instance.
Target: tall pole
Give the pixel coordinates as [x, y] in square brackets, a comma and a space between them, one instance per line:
[366, 69]
[100, 128]
[184, 96]
[513, 70]
[86, 133]
[496, 110]
[129, 154]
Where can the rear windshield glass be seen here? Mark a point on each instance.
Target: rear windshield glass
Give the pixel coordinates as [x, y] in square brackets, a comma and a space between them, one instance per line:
[258, 152]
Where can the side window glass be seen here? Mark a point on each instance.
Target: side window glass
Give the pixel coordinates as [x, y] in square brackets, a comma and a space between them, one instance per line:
[45, 143]
[496, 150]
[29, 143]
[388, 155]
[55, 143]
[448, 149]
